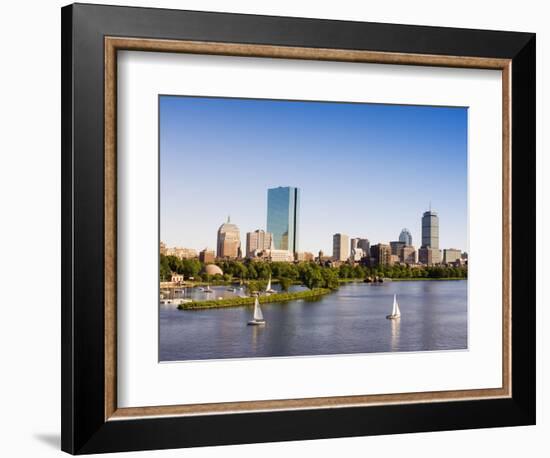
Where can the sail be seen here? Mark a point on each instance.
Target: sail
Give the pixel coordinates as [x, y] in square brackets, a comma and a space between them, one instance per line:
[395, 310]
[258, 316]
[268, 288]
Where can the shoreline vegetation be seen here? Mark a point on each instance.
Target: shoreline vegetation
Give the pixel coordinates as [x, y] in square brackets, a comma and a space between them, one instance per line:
[311, 274]
[241, 301]
[320, 279]
[428, 279]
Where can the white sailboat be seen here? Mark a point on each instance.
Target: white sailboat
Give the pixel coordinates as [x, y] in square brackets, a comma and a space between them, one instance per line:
[268, 288]
[258, 319]
[208, 289]
[395, 312]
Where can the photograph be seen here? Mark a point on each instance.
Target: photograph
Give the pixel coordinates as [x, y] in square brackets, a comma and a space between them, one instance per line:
[310, 228]
[268, 219]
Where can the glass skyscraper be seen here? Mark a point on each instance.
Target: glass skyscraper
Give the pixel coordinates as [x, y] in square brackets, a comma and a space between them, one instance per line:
[283, 215]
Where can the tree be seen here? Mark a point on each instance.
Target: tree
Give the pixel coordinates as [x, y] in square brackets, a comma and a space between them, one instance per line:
[285, 283]
[359, 272]
[255, 286]
[240, 270]
[252, 273]
[313, 278]
[264, 270]
[330, 278]
[190, 267]
[165, 271]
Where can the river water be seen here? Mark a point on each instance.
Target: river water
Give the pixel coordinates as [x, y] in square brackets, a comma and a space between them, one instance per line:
[350, 320]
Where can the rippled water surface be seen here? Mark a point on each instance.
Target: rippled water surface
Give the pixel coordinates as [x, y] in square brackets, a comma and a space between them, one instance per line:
[350, 320]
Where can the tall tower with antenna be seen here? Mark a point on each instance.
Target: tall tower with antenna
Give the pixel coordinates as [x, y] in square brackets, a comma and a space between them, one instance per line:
[429, 252]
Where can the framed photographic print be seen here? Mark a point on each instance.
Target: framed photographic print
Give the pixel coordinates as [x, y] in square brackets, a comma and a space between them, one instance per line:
[283, 228]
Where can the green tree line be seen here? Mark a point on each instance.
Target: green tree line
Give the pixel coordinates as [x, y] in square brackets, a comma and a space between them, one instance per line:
[238, 301]
[310, 274]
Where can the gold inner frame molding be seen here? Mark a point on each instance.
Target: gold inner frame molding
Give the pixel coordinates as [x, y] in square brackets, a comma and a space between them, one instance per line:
[114, 44]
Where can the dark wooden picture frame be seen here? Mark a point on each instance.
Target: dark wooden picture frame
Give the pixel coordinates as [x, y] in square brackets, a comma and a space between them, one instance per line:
[91, 37]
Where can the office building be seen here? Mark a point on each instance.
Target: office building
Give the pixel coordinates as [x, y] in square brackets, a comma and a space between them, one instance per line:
[396, 247]
[430, 229]
[358, 248]
[451, 255]
[380, 254]
[207, 256]
[364, 244]
[229, 240]
[408, 255]
[259, 240]
[429, 252]
[357, 254]
[429, 256]
[406, 237]
[340, 247]
[283, 217]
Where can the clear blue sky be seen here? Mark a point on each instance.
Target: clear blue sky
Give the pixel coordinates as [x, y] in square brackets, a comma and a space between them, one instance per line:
[365, 170]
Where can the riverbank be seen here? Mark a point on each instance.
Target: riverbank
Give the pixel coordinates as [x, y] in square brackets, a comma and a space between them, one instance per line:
[425, 279]
[233, 282]
[240, 301]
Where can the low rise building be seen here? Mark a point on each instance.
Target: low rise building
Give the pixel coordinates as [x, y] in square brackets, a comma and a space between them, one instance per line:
[304, 256]
[212, 269]
[450, 255]
[182, 253]
[429, 256]
[176, 278]
[207, 256]
[279, 255]
[408, 255]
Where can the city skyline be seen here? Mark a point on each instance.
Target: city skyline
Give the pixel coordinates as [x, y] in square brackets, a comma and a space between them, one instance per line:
[343, 245]
[372, 185]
